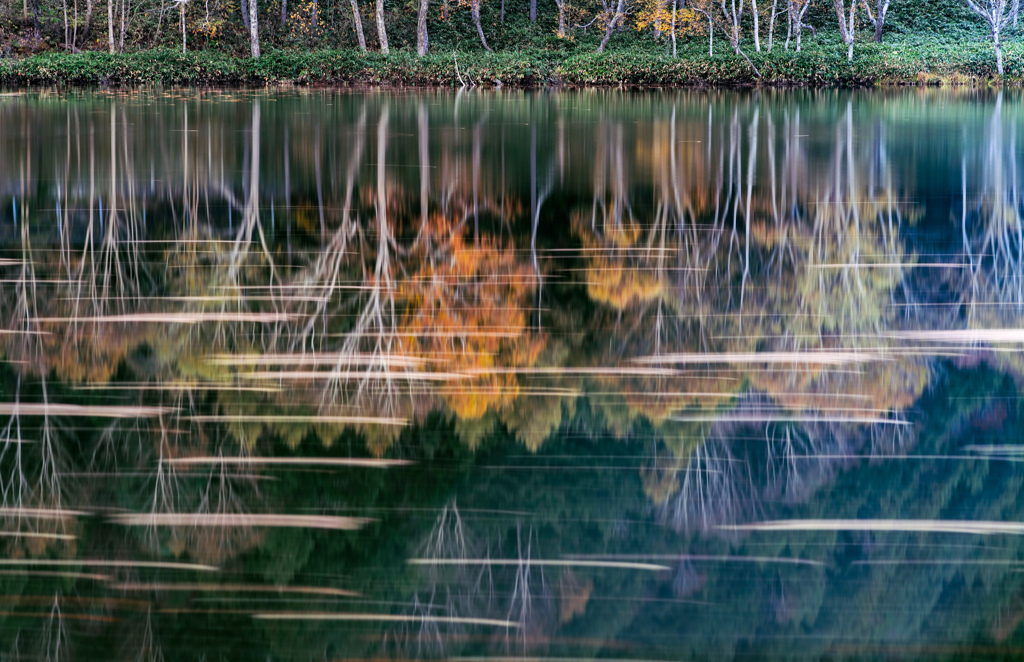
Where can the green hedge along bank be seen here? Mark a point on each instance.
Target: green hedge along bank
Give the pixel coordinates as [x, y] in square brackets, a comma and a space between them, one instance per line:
[896, 62]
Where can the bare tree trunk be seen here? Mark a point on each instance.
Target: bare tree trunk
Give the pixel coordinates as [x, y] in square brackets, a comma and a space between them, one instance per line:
[422, 39]
[610, 27]
[999, 51]
[846, 25]
[254, 34]
[798, 23]
[711, 36]
[120, 40]
[314, 13]
[183, 40]
[245, 13]
[36, 28]
[533, 11]
[789, 22]
[67, 33]
[110, 23]
[877, 17]
[357, 19]
[502, 15]
[771, 25]
[995, 14]
[675, 4]
[757, 28]
[561, 17]
[382, 34]
[159, 24]
[284, 12]
[476, 21]
[83, 36]
[733, 15]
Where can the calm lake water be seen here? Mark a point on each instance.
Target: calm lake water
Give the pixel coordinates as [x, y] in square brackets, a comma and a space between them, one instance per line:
[323, 375]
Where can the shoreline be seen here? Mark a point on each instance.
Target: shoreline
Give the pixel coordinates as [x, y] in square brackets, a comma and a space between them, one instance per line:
[823, 65]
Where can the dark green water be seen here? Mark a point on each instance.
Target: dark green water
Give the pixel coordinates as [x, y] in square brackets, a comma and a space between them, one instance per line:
[323, 375]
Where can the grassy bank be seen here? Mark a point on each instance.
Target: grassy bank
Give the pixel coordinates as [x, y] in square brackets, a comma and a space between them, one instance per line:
[823, 63]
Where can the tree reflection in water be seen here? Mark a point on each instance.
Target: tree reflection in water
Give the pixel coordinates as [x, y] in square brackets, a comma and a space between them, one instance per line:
[506, 374]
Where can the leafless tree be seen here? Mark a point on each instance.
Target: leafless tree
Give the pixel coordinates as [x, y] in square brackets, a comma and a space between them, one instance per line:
[357, 20]
[422, 40]
[877, 17]
[254, 36]
[846, 24]
[382, 34]
[54, 637]
[612, 20]
[997, 14]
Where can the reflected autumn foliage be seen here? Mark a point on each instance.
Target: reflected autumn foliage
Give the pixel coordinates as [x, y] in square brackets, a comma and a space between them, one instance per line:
[738, 288]
[707, 274]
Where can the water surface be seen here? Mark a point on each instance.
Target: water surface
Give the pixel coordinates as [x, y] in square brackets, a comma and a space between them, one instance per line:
[642, 376]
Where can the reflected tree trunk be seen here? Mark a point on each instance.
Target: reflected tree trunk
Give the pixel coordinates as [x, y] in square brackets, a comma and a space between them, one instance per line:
[751, 162]
[424, 149]
[382, 192]
[251, 214]
[318, 157]
[252, 209]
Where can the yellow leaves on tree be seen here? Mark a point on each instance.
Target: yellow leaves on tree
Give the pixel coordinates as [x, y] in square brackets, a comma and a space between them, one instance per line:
[657, 15]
